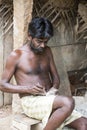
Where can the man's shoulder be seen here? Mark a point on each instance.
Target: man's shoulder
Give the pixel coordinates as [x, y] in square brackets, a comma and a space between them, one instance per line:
[15, 55]
[49, 52]
[48, 49]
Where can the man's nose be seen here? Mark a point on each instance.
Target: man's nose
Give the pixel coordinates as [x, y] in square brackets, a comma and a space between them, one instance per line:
[42, 44]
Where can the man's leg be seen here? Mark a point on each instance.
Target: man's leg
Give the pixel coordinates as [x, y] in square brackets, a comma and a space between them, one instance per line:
[62, 108]
[79, 124]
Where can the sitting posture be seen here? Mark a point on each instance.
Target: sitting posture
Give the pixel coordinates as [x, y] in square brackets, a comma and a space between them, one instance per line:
[38, 81]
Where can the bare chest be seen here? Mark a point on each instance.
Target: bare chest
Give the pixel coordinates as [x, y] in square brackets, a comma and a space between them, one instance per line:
[34, 64]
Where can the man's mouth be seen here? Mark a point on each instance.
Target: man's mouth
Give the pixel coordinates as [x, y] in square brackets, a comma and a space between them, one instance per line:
[37, 50]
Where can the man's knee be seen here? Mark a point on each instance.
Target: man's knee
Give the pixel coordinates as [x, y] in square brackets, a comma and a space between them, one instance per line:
[81, 123]
[64, 102]
[69, 103]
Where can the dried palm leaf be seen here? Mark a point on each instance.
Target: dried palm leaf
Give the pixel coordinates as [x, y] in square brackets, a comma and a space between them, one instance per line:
[83, 64]
[46, 11]
[55, 17]
[51, 13]
[85, 37]
[44, 6]
[83, 28]
[55, 9]
[64, 4]
[58, 11]
[6, 13]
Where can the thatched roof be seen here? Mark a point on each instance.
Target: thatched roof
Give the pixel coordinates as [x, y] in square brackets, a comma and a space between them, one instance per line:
[63, 11]
[57, 11]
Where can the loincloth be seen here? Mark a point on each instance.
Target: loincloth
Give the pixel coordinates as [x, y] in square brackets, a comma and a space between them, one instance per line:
[40, 107]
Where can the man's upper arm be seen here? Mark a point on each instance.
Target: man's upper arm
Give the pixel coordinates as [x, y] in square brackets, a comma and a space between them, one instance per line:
[53, 69]
[10, 67]
[52, 63]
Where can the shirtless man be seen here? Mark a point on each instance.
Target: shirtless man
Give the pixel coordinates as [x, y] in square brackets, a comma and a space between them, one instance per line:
[37, 78]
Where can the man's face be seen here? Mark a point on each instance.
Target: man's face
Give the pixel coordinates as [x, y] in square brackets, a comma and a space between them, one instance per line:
[38, 45]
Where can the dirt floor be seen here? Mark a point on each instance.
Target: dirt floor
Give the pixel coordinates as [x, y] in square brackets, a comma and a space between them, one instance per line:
[5, 117]
[5, 111]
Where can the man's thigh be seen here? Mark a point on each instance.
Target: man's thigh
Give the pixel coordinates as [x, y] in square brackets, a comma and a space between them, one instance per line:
[61, 101]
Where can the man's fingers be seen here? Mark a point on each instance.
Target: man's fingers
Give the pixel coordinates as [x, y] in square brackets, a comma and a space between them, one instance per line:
[41, 94]
[38, 89]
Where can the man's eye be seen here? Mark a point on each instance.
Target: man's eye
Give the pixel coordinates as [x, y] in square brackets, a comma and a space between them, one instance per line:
[45, 42]
[38, 41]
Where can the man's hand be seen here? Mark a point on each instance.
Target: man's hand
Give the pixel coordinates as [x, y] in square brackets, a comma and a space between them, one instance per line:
[52, 91]
[37, 90]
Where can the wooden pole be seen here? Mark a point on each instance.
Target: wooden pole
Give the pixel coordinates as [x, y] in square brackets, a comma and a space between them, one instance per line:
[22, 16]
[1, 63]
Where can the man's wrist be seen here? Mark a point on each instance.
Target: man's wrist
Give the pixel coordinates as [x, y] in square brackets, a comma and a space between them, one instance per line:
[55, 86]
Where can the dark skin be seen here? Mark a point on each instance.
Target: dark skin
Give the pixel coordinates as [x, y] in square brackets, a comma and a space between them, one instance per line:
[25, 66]
[35, 73]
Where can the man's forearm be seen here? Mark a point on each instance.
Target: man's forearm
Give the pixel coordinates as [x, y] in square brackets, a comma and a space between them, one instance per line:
[10, 88]
[56, 84]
